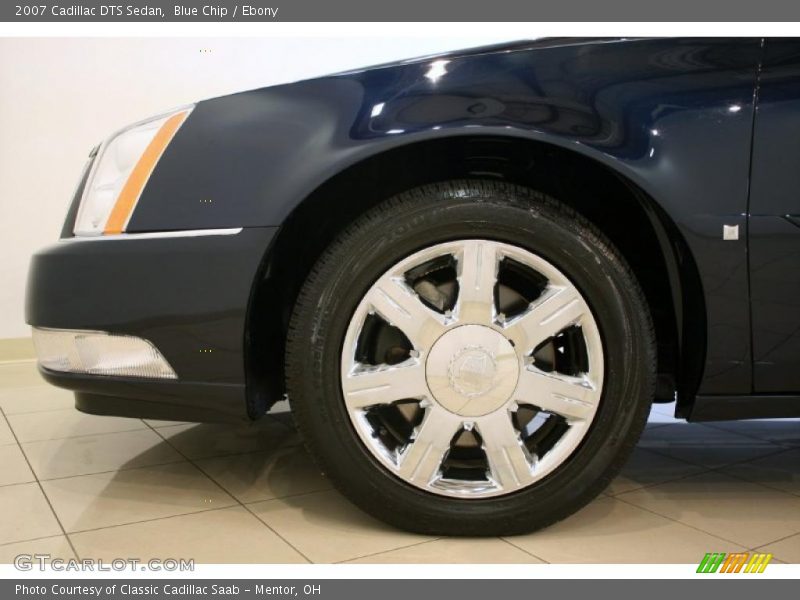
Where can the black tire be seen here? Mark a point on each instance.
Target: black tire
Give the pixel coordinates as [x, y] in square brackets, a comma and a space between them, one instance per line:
[455, 210]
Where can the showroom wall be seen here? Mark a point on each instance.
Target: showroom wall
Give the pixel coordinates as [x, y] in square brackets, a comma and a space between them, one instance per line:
[60, 97]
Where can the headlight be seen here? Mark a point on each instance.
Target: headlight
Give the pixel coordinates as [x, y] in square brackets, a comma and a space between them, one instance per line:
[99, 353]
[121, 170]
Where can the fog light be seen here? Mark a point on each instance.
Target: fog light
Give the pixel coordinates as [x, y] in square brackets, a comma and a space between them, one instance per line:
[99, 353]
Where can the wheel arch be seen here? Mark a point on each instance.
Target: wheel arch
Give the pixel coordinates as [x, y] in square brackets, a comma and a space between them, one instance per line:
[604, 193]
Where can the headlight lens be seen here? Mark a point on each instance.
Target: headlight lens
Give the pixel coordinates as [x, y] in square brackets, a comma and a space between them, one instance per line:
[121, 170]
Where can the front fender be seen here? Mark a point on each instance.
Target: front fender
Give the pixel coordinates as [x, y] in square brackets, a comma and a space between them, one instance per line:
[657, 111]
[672, 116]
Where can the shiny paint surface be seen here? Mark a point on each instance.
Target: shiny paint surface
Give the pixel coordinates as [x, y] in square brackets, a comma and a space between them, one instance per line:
[775, 293]
[672, 116]
[775, 222]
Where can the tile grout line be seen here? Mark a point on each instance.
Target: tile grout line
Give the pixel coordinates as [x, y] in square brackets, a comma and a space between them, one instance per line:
[707, 468]
[249, 510]
[745, 434]
[651, 511]
[406, 547]
[34, 539]
[722, 471]
[679, 459]
[647, 486]
[35, 412]
[183, 459]
[140, 521]
[62, 477]
[719, 470]
[513, 545]
[120, 470]
[795, 534]
[72, 437]
[779, 450]
[235, 499]
[41, 488]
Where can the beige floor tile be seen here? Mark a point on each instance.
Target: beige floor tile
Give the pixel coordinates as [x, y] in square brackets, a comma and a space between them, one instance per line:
[779, 471]
[105, 499]
[286, 471]
[648, 468]
[785, 432]
[13, 466]
[25, 514]
[20, 374]
[210, 440]
[54, 547]
[785, 551]
[731, 508]
[230, 535]
[97, 453]
[327, 528]
[453, 551]
[702, 445]
[611, 531]
[60, 424]
[6, 437]
[37, 398]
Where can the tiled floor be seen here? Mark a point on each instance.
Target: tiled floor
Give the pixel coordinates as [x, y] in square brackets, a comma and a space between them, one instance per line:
[73, 485]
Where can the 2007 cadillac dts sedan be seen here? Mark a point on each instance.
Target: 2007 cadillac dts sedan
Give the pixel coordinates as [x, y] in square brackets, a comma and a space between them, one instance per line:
[471, 274]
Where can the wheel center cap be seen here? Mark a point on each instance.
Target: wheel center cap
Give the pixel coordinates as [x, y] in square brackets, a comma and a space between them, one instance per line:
[472, 370]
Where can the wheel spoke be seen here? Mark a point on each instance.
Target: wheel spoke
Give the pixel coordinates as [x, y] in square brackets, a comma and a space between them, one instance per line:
[477, 277]
[469, 367]
[574, 398]
[402, 308]
[383, 385]
[557, 309]
[509, 463]
[422, 460]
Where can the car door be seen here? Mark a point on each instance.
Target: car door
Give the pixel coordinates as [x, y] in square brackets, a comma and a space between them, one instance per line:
[774, 223]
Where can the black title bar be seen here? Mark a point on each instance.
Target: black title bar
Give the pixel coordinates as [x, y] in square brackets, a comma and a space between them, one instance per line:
[350, 589]
[404, 10]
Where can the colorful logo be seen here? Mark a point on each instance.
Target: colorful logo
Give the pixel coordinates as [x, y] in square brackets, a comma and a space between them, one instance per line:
[739, 562]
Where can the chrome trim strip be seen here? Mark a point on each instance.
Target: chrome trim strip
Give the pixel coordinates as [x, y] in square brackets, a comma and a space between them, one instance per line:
[153, 235]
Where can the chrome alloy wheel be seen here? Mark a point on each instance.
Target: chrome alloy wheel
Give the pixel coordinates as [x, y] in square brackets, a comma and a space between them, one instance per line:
[472, 369]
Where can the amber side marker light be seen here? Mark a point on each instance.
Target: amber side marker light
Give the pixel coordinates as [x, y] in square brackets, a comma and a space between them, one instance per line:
[129, 195]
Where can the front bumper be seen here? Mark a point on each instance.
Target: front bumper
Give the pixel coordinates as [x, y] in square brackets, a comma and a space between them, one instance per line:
[187, 295]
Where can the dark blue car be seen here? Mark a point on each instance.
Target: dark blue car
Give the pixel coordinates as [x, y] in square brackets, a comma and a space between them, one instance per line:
[471, 274]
